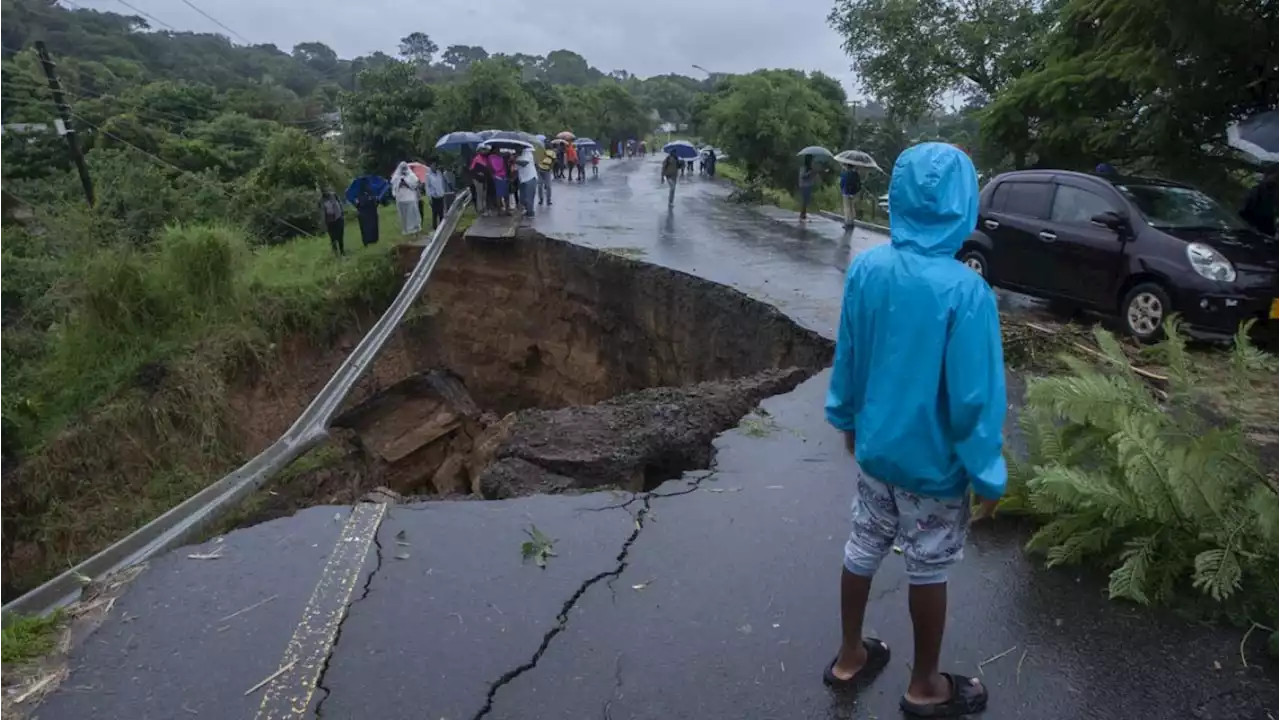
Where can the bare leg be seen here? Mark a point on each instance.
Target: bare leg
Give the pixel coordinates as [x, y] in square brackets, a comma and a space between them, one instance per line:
[854, 590]
[928, 605]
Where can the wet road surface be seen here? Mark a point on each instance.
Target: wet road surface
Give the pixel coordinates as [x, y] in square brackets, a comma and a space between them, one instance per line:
[715, 596]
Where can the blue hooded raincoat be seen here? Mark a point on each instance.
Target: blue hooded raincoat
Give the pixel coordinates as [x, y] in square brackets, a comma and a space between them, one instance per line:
[919, 372]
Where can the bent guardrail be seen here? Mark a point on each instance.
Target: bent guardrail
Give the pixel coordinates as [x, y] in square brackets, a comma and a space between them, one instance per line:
[185, 521]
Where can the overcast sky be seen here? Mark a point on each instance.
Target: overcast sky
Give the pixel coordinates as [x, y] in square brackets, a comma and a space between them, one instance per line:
[651, 37]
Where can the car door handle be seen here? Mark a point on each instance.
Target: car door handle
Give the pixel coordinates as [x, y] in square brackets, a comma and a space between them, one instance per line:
[1047, 236]
[990, 224]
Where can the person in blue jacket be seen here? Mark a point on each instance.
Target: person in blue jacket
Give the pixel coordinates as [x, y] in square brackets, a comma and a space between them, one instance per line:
[918, 390]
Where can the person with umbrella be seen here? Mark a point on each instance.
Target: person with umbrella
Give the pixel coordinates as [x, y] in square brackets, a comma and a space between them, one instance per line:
[571, 159]
[850, 184]
[711, 163]
[498, 172]
[404, 187]
[808, 176]
[480, 180]
[671, 166]
[527, 174]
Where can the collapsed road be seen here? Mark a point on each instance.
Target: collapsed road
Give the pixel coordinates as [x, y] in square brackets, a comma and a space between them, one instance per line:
[710, 595]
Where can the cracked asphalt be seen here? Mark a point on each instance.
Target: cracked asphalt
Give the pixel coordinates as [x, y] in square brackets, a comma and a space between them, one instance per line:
[714, 596]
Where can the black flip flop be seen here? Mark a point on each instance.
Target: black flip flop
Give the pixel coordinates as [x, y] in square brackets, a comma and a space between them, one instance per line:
[877, 658]
[966, 697]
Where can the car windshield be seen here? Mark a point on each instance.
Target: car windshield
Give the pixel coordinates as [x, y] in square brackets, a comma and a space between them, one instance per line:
[1165, 206]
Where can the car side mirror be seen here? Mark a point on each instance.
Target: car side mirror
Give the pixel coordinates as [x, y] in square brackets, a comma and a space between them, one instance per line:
[1109, 219]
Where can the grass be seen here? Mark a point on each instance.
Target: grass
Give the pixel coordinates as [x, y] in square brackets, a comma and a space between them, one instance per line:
[130, 387]
[825, 197]
[27, 637]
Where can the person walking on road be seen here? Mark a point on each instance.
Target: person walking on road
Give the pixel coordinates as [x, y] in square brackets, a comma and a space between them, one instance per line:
[671, 166]
[527, 175]
[437, 187]
[404, 186]
[546, 165]
[334, 222]
[571, 158]
[808, 176]
[850, 184]
[918, 390]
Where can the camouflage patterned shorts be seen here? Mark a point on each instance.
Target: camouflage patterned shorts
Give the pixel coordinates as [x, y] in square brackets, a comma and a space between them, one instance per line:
[931, 531]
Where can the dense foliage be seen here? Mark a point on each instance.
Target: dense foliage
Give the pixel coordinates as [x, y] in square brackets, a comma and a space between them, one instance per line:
[1159, 486]
[1147, 85]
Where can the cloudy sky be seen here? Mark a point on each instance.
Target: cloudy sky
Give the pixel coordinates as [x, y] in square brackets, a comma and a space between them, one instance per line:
[647, 38]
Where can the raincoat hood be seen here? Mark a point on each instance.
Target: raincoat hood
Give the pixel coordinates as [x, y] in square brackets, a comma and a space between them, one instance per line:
[933, 199]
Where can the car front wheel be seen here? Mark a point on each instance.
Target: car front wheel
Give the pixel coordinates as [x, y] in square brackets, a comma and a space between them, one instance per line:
[975, 261]
[1143, 311]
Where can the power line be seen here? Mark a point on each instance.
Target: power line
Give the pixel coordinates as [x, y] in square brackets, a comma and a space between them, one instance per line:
[146, 14]
[217, 22]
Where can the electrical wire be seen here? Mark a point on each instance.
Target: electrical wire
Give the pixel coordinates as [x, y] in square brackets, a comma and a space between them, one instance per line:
[146, 14]
[217, 22]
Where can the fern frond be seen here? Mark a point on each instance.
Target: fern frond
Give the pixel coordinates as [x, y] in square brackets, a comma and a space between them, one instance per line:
[1058, 530]
[1074, 548]
[1264, 509]
[1217, 573]
[1131, 579]
[1144, 469]
[1057, 488]
[1173, 350]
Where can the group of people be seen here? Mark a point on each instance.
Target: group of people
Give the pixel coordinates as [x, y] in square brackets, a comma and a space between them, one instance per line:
[850, 185]
[505, 179]
[674, 167]
[407, 187]
[566, 156]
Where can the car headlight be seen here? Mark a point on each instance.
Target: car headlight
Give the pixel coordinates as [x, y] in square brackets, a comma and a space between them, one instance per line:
[1210, 263]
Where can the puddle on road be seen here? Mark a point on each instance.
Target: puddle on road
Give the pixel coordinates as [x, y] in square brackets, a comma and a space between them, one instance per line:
[545, 366]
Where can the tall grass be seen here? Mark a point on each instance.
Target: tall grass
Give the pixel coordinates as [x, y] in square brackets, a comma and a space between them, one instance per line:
[125, 402]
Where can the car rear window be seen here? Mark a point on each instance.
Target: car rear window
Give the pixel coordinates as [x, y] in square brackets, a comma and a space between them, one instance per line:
[1023, 198]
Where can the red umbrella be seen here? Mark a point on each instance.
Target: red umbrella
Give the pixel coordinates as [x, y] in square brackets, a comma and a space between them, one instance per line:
[565, 135]
[420, 170]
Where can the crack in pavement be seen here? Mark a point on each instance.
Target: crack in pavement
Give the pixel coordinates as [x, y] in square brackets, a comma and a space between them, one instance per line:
[346, 613]
[562, 618]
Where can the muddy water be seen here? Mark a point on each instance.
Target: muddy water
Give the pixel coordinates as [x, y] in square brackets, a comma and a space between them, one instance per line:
[537, 365]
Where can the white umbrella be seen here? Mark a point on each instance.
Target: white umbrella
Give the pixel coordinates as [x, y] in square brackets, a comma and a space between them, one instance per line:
[1256, 135]
[816, 150]
[857, 158]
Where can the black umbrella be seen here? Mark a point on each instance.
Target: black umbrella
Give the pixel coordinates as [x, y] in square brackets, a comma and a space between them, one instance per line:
[1256, 135]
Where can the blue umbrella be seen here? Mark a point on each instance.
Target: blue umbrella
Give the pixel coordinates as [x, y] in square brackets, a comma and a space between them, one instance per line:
[682, 148]
[377, 185]
[486, 134]
[542, 139]
[586, 142]
[818, 151]
[457, 139]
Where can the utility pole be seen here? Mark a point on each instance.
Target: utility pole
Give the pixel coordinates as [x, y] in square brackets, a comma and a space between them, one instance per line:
[64, 113]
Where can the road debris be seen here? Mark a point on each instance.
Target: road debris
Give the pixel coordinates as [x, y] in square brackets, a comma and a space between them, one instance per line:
[994, 658]
[215, 555]
[243, 610]
[286, 668]
[643, 585]
[538, 546]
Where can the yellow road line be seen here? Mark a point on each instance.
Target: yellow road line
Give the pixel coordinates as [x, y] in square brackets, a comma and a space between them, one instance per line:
[288, 695]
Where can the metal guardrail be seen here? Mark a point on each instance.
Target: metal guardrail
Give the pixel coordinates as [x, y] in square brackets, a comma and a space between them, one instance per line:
[181, 524]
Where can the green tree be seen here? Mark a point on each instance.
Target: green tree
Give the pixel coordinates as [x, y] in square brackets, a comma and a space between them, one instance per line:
[762, 119]
[460, 57]
[913, 53]
[1147, 85]
[380, 120]
[418, 48]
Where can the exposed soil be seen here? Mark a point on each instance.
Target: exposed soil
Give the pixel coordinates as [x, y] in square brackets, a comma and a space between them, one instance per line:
[543, 366]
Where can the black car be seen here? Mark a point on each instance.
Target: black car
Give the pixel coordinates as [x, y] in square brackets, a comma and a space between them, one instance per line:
[1136, 247]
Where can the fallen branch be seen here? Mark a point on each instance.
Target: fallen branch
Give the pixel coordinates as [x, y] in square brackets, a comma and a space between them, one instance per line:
[1100, 356]
[994, 658]
[243, 610]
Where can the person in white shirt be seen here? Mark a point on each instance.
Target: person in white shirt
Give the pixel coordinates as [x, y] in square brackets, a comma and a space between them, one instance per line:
[437, 187]
[527, 173]
[404, 186]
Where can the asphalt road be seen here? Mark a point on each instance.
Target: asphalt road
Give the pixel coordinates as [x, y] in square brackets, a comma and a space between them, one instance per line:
[715, 596]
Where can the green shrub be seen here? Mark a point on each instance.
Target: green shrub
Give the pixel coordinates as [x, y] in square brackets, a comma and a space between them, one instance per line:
[1159, 486]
